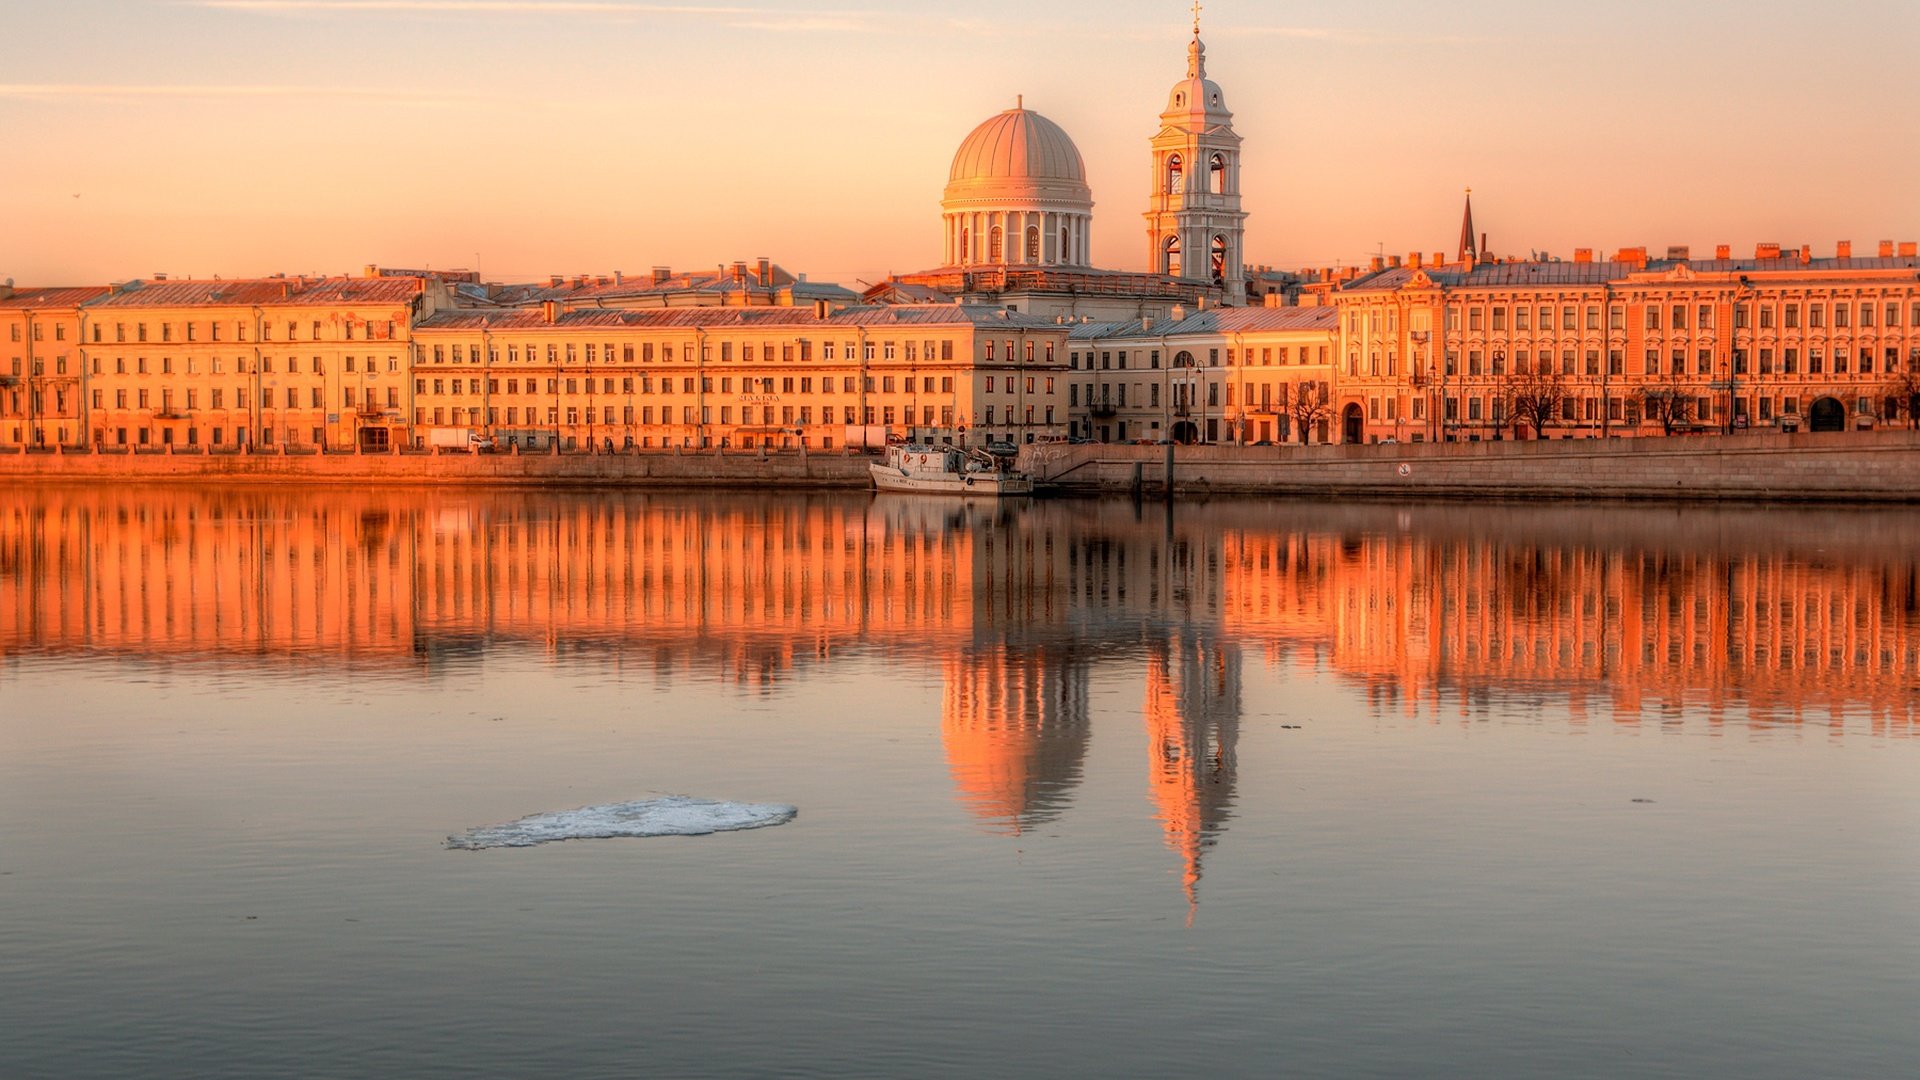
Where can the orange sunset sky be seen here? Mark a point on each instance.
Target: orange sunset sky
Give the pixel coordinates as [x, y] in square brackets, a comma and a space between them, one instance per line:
[242, 137]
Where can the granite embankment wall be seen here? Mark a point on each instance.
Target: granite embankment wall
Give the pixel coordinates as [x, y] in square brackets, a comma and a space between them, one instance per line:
[1878, 466]
[736, 470]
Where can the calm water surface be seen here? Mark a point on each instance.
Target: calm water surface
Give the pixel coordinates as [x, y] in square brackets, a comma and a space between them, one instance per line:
[1084, 789]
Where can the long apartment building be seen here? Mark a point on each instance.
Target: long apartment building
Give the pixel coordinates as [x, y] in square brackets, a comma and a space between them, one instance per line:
[1456, 350]
[746, 378]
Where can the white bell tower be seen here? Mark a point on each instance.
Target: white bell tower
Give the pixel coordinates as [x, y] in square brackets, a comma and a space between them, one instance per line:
[1195, 227]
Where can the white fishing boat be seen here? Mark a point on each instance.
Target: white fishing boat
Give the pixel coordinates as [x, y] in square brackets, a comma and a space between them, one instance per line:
[949, 470]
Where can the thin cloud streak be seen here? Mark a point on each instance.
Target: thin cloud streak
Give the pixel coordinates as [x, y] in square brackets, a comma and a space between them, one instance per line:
[500, 7]
[109, 91]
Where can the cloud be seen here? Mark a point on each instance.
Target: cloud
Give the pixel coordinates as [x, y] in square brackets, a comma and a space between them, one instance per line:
[131, 91]
[505, 7]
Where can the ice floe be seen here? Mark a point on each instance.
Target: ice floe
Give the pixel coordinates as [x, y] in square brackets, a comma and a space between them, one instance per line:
[674, 815]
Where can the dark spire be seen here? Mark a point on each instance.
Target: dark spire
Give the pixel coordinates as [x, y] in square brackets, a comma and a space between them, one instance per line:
[1469, 249]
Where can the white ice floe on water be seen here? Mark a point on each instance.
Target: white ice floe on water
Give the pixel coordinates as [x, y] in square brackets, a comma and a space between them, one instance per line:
[674, 815]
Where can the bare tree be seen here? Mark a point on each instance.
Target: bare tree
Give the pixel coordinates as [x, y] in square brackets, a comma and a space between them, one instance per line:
[1537, 397]
[1669, 401]
[1309, 404]
[1903, 392]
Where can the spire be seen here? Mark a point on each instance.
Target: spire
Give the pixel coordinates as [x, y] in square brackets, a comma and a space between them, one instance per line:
[1468, 248]
[1196, 52]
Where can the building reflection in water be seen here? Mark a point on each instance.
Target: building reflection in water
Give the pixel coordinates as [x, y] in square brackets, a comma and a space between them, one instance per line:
[1607, 615]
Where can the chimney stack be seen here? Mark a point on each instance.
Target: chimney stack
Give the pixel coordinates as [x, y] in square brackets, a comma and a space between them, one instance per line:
[1806, 254]
[1886, 249]
[1723, 252]
[1583, 255]
[1413, 260]
[764, 268]
[551, 309]
[1766, 251]
[1843, 249]
[1680, 253]
[1378, 263]
[1906, 249]
[661, 274]
[739, 273]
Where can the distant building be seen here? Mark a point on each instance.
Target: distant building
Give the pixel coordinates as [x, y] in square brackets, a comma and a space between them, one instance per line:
[1234, 375]
[40, 382]
[1489, 348]
[760, 284]
[706, 377]
[268, 362]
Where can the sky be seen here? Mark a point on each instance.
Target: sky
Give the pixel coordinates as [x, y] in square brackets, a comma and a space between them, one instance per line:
[537, 137]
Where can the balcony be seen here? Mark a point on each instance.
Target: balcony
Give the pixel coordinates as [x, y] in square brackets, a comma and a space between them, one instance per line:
[169, 413]
[1104, 410]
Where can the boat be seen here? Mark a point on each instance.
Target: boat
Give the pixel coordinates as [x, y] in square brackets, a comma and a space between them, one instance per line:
[948, 470]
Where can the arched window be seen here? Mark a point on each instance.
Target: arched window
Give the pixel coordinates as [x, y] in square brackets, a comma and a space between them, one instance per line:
[966, 245]
[1183, 359]
[1217, 174]
[1176, 175]
[1217, 264]
[1170, 261]
[1033, 244]
[1065, 254]
[996, 245]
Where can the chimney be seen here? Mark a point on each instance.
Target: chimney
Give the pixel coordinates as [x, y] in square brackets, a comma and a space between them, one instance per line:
[739, 273]
[1583, 255]
[1178, 313]
[1766, 251]
[1146, 324]
[1393, 261]
[370, 270]
[1274, 299]
[1413, 260]
[1806, 254]
[1377, 263]
[619, 278]
[1439, 258]
[551, 309]
[1679, 253]
[1886, 249]
[157, 276]
[1723, 252]
[1200, 304]
[820, 309]
[286, 290]
[1843, 249]
[661, 274]
[763, 268]
[1906, 249]
[556, 281]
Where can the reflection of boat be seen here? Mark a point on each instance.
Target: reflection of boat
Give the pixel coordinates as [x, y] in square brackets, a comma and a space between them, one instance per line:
[948, 470]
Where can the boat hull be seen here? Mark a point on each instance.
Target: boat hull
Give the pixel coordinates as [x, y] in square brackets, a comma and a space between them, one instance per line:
[983, 485]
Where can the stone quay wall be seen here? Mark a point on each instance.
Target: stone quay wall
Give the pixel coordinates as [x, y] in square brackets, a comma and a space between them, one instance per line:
[1877, 466]
[1859, 467]
[731, 470]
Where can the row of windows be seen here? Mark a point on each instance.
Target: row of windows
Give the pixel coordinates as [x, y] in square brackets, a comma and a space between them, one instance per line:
[1631, 410]
[268, 366]
[59, 331]
[1787, 361]
[647, 352]
[369, 330]
[887, 384]
[1791, 314]
[785, 415]
[269, 396]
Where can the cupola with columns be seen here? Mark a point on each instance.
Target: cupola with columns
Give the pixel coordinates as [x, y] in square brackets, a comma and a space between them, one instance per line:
[1017, 195]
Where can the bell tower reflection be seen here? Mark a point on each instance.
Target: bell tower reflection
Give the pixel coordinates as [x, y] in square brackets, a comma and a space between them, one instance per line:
[1193, 725]
[1015, 727]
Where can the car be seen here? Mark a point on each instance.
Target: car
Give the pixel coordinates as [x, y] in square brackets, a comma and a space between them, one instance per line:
[1264, 442]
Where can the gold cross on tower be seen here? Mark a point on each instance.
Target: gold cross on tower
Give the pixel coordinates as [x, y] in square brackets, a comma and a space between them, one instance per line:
[1196, 18]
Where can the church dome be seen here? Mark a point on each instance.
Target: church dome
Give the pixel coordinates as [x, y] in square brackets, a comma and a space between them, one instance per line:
[1018, 144]
[1017, 195]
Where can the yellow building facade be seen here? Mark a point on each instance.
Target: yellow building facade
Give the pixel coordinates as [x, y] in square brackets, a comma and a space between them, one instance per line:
[1630, 346]
[746, 378]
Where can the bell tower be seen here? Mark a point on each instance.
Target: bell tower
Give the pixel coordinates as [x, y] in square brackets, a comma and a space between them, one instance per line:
[1195, 227]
